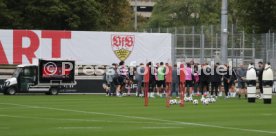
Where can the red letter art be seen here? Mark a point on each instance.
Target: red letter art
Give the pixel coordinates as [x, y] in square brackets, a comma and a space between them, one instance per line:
[3, 58]
[56, 37]
[18, 49]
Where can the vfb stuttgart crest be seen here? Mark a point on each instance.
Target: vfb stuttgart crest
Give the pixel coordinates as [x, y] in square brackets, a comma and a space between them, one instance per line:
[122, 45]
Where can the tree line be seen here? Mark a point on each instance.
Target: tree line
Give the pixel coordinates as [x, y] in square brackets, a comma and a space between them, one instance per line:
[254, 16]
[97, 15]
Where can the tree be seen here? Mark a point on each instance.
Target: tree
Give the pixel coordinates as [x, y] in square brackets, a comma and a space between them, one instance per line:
[256, 15]
[252, 15]
[234, 13]
[82, 14]
[116, 15]
[171, 13]
[209, 12]
[108, 15]
[9, 18]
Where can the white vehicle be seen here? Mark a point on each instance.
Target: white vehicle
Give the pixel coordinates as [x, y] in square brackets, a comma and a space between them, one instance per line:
[48, 76]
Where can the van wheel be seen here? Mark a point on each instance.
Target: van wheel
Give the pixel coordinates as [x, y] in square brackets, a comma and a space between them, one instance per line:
[54, 91]
[11, 91]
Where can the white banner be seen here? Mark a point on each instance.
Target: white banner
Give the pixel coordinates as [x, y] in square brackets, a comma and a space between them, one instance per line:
[96, 48]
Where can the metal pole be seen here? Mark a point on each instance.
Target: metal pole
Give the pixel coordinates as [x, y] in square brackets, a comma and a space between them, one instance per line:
[216, 51]
[202, 46]
[224, 31]
[135, 16]
[216, 42]
[175, 44]
[266, 49]
[212, 42]
[193, 51]
[174, 38]
[273, 45]
[184, 41]
[232, 41]
[243, 46]
[240, 52]
[253, 48]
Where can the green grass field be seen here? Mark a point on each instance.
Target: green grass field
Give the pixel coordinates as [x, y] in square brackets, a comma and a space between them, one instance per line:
[98, 115]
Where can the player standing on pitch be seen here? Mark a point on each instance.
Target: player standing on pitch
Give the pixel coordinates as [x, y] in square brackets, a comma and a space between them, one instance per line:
[260, 77]
[241, 75]
[139, 77]
[168, 72]
[205, 79]
[130, 80]
[189, 80]
[175, 82]
[161, 79]
[122, 79]
[215, 80]
[196, 80]
[152, 81]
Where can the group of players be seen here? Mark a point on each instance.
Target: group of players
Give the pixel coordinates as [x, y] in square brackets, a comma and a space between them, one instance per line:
[199, 79]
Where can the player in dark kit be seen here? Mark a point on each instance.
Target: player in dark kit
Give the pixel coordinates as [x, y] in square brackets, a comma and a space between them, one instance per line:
[260, 77]
[226, 81]
[215, 80]
[229, 80]
[205, 79]
[152, 81]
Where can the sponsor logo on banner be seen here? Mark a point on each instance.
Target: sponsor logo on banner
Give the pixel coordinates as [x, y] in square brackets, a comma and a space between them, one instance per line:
[122, 45]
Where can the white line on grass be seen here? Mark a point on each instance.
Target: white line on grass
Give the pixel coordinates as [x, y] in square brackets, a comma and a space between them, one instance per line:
[12, 108]
[267, 114]
[71, 100]
[160, 127]
[81, 120]
[144, 118]
[80, 128]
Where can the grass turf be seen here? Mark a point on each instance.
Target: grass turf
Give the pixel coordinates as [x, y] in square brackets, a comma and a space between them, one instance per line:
[98, 115]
